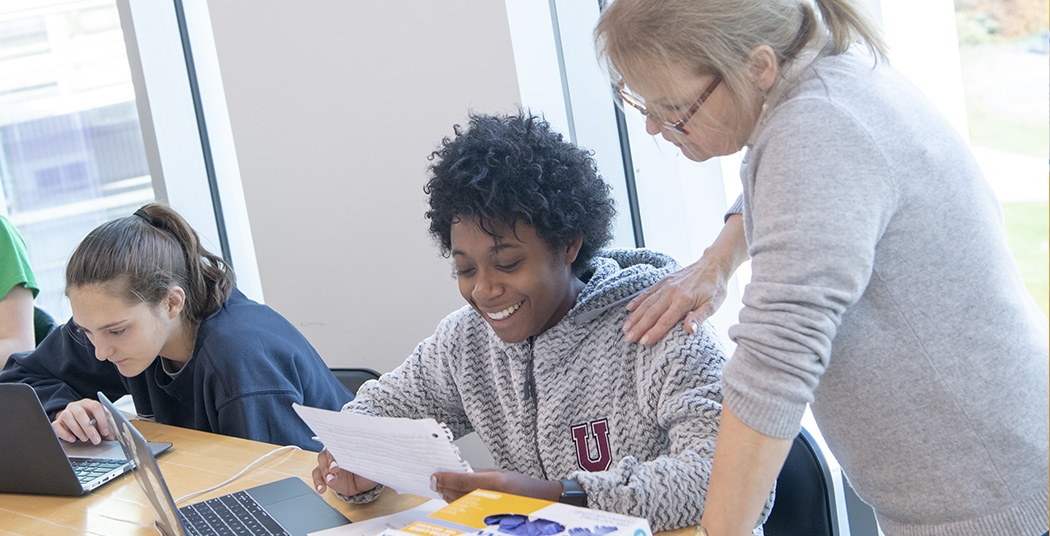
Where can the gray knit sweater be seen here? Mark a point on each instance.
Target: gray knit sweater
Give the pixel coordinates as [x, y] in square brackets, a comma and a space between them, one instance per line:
[635, 425]
[883, 293]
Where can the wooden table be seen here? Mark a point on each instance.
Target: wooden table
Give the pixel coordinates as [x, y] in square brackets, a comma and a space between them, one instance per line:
[197, 461]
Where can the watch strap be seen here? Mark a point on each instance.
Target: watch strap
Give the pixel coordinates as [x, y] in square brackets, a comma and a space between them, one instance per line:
[572, 493]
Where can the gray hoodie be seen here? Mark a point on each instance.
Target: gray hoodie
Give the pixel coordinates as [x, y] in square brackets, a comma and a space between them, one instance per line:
[634, 425]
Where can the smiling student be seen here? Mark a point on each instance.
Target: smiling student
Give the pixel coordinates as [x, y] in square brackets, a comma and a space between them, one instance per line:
[536, 362]
[157, 316]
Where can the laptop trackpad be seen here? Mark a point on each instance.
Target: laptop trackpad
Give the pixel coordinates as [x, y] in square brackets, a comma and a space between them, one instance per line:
[289, 511]
[109, 450]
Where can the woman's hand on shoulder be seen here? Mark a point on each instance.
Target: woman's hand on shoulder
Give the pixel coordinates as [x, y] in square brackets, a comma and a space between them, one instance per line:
[328, 474]
[692, 294]
[83, 420]
[452, 486]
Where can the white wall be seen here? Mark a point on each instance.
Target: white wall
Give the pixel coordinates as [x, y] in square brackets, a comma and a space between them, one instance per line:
[334, 106]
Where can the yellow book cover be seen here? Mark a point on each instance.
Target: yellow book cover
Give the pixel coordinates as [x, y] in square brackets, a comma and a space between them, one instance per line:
[490, 513]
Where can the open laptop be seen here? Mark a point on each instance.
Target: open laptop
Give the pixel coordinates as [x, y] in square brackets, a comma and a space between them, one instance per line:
[34, 460]
[286, 507]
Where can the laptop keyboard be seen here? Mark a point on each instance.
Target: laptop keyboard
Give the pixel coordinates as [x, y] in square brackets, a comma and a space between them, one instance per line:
[235, 514]
[88, 470]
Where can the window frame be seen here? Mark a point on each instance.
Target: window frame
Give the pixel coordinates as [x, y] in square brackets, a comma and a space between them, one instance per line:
[179, 96]
[559, 75]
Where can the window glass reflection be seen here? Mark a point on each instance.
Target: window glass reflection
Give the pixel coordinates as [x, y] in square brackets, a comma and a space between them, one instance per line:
[71, 151]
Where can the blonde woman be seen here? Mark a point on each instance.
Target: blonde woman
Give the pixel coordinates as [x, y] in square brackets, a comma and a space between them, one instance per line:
[882, 293]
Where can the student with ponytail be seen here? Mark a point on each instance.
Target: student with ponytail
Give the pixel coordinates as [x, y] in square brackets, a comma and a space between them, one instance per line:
[158, 317]
[882, 291]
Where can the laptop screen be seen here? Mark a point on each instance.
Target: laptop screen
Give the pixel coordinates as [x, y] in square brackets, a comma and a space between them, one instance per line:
[144, 465]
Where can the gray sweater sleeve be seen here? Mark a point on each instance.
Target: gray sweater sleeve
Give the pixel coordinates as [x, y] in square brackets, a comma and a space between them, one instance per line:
[816, 217]
[736, 208]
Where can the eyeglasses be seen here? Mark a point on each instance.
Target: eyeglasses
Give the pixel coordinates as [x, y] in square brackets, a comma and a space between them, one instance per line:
[676, 126]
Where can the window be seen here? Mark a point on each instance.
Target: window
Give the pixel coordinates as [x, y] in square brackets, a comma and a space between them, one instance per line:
[664, 201]
[97, 101]
[1003, 48]
[71, 150]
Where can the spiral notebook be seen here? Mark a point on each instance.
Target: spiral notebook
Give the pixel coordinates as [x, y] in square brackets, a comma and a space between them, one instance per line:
[399, 453]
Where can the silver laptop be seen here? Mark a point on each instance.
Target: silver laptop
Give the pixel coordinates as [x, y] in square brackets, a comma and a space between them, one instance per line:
[286, 507]
[34, 460]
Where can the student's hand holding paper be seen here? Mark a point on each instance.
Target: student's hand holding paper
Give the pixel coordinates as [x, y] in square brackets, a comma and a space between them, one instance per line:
[452, 486]
[399, 453]
[327, 474]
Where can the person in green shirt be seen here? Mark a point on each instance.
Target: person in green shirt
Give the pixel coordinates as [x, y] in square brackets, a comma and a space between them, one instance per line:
[18, 287]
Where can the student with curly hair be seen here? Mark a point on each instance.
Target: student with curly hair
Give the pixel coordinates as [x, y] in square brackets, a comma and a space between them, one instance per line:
[157, 316]
[537, 363]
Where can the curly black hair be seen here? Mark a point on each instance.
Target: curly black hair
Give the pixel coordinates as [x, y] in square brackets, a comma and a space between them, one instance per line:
[507, 169]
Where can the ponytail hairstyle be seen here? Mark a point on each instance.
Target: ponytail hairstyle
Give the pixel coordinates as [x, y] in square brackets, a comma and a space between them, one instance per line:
[140, 257]
[637, 39]
[847, 24]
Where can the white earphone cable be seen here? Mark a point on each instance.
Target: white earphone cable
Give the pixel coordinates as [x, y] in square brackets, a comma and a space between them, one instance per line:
[238, 475]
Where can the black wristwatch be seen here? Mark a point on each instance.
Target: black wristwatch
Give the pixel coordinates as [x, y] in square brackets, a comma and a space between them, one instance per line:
[572, 493]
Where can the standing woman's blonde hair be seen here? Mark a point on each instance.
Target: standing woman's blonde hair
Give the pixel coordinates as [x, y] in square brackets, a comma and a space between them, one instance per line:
[635, 38]
[139, 257]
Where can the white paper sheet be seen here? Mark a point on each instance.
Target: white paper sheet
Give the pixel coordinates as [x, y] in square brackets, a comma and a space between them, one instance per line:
[371, 527]
[398, 453]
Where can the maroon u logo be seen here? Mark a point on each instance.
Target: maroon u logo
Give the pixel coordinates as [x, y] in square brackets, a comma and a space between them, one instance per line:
[599, 430]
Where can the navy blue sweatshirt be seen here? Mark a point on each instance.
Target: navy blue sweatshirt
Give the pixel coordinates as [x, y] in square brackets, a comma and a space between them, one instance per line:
[249, 365]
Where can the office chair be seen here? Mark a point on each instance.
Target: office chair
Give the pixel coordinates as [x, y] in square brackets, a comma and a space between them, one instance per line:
[43, 324]
[805, 499]
[352, 378]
